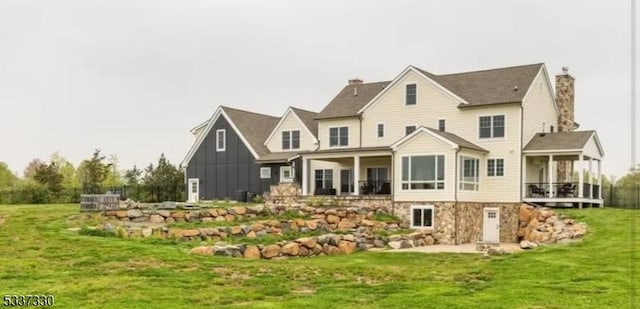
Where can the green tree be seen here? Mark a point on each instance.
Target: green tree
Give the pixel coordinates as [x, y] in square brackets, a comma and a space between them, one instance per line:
[93, 172]
[133, 176]
[30, 169]
[7, 178]
[113, 178]
[165, 179]
[68, 171]
[49, 175]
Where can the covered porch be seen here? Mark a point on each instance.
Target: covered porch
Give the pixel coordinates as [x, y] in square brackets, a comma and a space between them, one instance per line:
[360, 171]
[562, 173]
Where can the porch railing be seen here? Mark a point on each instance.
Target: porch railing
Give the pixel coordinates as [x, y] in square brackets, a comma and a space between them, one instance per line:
[561, 190]
[369, 187]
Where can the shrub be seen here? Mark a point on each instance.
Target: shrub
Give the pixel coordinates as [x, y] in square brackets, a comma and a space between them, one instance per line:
[258, 199]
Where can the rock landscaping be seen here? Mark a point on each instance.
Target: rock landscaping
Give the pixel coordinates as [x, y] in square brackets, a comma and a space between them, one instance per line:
[544, 226]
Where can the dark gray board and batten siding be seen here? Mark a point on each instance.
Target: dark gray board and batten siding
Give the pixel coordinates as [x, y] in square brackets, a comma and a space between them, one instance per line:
[222, 173]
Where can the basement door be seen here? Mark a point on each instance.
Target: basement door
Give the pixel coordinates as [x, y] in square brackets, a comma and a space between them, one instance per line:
[194, 190]
[491, 225]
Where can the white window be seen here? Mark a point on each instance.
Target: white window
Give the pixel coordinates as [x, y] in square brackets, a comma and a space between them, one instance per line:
[422, 216]
[495, 167]
[265, 172]
[409, 129]
[339, 137]
[442, 125]
[469, 173]
[491, 126]
[380, 128]
[221, 140]
[423, 172]
[291, 139]
[410, 95]
[286, 174]
[324, 179]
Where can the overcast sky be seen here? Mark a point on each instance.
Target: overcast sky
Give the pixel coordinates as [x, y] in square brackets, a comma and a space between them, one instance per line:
[132, 77]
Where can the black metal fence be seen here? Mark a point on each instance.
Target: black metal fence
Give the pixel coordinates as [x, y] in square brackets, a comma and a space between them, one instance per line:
[622, 197]
[41, 195]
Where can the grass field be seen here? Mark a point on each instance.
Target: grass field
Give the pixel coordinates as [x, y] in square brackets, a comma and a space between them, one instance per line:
[39, 255]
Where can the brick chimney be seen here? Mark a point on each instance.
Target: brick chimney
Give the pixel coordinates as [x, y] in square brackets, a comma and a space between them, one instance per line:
[565, 93]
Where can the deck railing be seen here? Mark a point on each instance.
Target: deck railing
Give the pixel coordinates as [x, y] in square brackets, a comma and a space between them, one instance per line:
[561, 190]
[375, 187]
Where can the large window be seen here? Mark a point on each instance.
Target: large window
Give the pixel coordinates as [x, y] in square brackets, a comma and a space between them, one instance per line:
[491, 126]
[221, 143]
[265, 172]
[422, 216]
[324, 179]
[290, 139]
[423, 172]
[410, 97]
[380, 128]
[495, 167]
[339, 137]
[409, 129]
[469, 173]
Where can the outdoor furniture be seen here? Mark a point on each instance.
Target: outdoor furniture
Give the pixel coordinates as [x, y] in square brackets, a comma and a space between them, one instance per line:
[324, 191]
[537, 191]
[567, 190]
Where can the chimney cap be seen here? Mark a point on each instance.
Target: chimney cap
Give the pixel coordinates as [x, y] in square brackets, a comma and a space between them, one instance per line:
[565, 70]
[355, 81]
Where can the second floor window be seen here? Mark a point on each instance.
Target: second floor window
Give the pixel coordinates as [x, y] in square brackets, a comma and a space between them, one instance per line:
[410, 97]
[442, 125]
[221, 143]
[495, 167]
[290, 139]
[491, 126]
[380, 129]
[339, 137]
[409, 129]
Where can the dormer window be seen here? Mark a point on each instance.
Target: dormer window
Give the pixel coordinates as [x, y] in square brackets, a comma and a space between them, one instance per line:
[491, 126]
[339, 137]
[410, 95]
[290, 139]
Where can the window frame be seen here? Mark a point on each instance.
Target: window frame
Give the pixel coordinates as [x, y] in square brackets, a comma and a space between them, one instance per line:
[224, 140]
[289, 134]
[461, 179]
[444, 127]
[339, 137]
[378, 130]
[406, 94]
[492, 127]
[324, 178]
[435, 182]
[415, 127]
[423, 208]
[262, 172]
[291, 173]
[495, 167]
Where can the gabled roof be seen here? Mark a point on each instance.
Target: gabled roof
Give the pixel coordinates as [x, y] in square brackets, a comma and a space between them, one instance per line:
[308, 119]
[351, 99]
[493, 86]
[253, 126]
[567, 141]
[277, 157]
[449, 138]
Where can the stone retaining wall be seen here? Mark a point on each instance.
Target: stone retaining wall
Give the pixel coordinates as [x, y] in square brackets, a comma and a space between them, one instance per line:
[542, 226]
[328, 244]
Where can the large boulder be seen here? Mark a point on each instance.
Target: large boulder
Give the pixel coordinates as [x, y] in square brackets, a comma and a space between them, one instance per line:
[271, 251]
[527, 244]
[156, 219]
[346, 247]
[204, 250]
[308, 242]
[252, 252]
[333, 219]
[291, 248]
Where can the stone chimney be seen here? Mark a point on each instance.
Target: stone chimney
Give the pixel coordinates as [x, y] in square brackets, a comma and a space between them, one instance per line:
[565, 93]
[355, 81]
[565, 96]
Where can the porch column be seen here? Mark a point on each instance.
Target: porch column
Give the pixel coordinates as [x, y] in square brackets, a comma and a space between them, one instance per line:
[356, 175]
[305, 176]
[580, 175]
[600, 182]
[591, 179]
[550, 174]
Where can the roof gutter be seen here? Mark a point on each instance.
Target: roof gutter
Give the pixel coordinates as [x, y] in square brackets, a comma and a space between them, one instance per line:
[464, 106]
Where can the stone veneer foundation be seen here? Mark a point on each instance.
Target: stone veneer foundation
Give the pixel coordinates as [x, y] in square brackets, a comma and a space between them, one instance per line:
[461, 222]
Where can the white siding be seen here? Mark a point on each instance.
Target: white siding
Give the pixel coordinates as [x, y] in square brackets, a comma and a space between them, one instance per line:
[538, 109]
[432, 104]
[424, 144]
[354, 131]
[291, 122]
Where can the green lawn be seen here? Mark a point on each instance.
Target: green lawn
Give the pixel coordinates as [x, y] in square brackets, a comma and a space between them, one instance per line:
[40, 256]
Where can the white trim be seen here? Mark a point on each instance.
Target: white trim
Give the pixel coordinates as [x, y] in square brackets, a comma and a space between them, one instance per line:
[543, 68]
[552, 151]
[397, 79]
[265, 170]
[200, 139]
[495, 170]
[491, 138]
[461, 181]
[384, 133]
[435, 181]
[418, 130]
[433, 216]
[415, 83]
[190, 195]
[291, 140]
[291, 173]
[281, 122]
[329, 136]
[224, 140]
[198, 127]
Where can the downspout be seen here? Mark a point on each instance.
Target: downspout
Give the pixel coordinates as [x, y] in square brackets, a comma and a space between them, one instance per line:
[520, 150]
[393, 182]
[360, 139]
[455, 197]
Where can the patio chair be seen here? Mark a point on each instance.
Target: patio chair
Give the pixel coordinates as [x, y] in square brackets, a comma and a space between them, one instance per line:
[537, 191]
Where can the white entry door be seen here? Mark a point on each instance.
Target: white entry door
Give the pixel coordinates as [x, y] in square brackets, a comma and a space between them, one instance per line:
[194, 190]
[491, 225]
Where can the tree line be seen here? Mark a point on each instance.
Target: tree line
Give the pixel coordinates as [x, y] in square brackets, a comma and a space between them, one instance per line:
[59, 181]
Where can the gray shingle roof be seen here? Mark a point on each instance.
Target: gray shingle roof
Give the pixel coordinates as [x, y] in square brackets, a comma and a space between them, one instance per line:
[492, 86]
[277, 157]
[463, 143]
[351, 99]
[308, 119]
[559, 140]
[253, 126]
